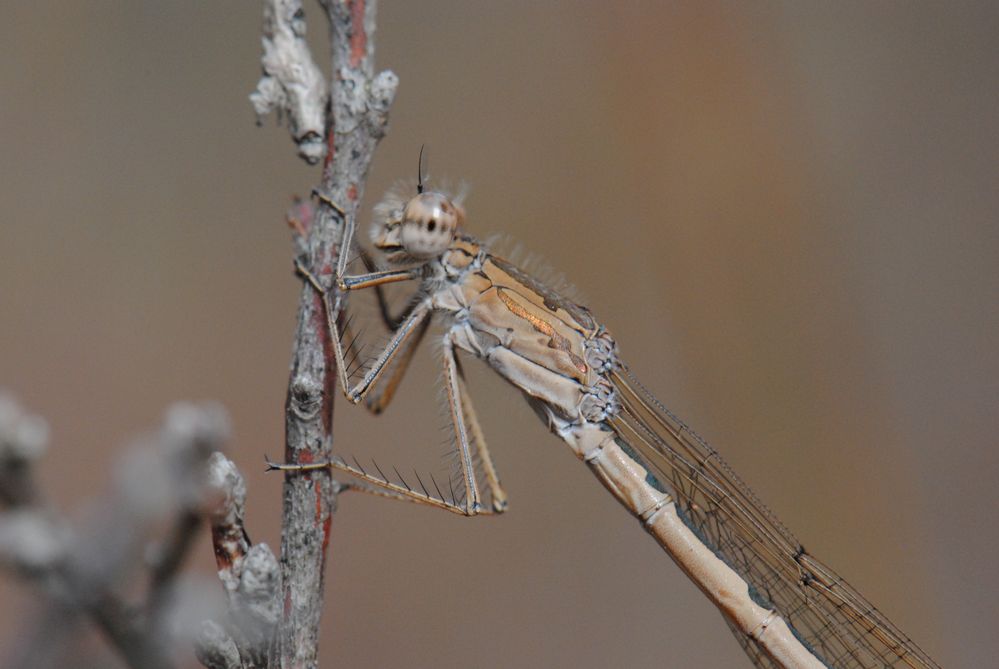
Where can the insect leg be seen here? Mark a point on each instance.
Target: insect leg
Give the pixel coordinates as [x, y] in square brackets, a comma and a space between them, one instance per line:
[391, 322]
[378, 278]
[459, 410]
[384, 390]
[499, 497]
[346, 245]
[347, 235]
[454, 399]
[378, 484]
[398, 341]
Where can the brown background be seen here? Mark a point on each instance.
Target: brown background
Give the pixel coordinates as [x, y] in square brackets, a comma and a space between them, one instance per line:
[787, 215]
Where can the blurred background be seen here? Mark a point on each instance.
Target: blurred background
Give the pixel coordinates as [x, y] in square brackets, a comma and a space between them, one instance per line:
[785, 212]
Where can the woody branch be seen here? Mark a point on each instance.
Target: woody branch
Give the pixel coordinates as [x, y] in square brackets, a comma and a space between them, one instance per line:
[341, 128]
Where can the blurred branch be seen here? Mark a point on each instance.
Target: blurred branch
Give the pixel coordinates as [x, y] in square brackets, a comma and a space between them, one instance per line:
[23, 439]
[354, 118]
[160, 480]
[249, 575]
[175, 478]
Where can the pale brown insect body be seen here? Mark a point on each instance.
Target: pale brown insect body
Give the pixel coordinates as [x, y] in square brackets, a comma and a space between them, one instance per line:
[785, 608]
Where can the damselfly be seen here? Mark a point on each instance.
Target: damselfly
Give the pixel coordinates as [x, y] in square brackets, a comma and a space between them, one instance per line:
[785, 607]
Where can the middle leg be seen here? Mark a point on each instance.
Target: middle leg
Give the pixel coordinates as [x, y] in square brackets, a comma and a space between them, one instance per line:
[459, 410]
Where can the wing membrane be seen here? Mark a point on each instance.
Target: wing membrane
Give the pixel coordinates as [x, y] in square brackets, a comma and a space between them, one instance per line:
[832, 619]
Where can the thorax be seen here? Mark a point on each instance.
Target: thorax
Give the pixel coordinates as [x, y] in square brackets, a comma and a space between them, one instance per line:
[548, 346]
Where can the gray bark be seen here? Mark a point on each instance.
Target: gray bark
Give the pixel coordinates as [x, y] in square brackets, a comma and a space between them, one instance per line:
[355, 120]
[80, 567]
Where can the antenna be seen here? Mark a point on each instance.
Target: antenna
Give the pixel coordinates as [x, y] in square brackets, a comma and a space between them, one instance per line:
[419, 172]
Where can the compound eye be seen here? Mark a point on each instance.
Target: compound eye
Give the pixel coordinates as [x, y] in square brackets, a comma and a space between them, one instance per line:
[429, 222]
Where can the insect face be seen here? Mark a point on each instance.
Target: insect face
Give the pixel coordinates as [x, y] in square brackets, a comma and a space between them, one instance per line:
[425, 230]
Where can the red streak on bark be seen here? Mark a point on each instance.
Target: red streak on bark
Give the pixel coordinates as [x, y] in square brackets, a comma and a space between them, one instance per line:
[287, 603]
[352, 193]
[330, 389]
[319, 505]
[327, 524]
[305, 457]
[329, 360]
[358, 38]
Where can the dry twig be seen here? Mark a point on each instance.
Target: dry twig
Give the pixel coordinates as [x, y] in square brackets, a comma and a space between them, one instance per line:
[354, 118]
[82, 567]
[249, 574]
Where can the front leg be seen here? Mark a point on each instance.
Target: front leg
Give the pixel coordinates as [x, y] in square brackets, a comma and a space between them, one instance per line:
[409, 328]
[391, 321]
